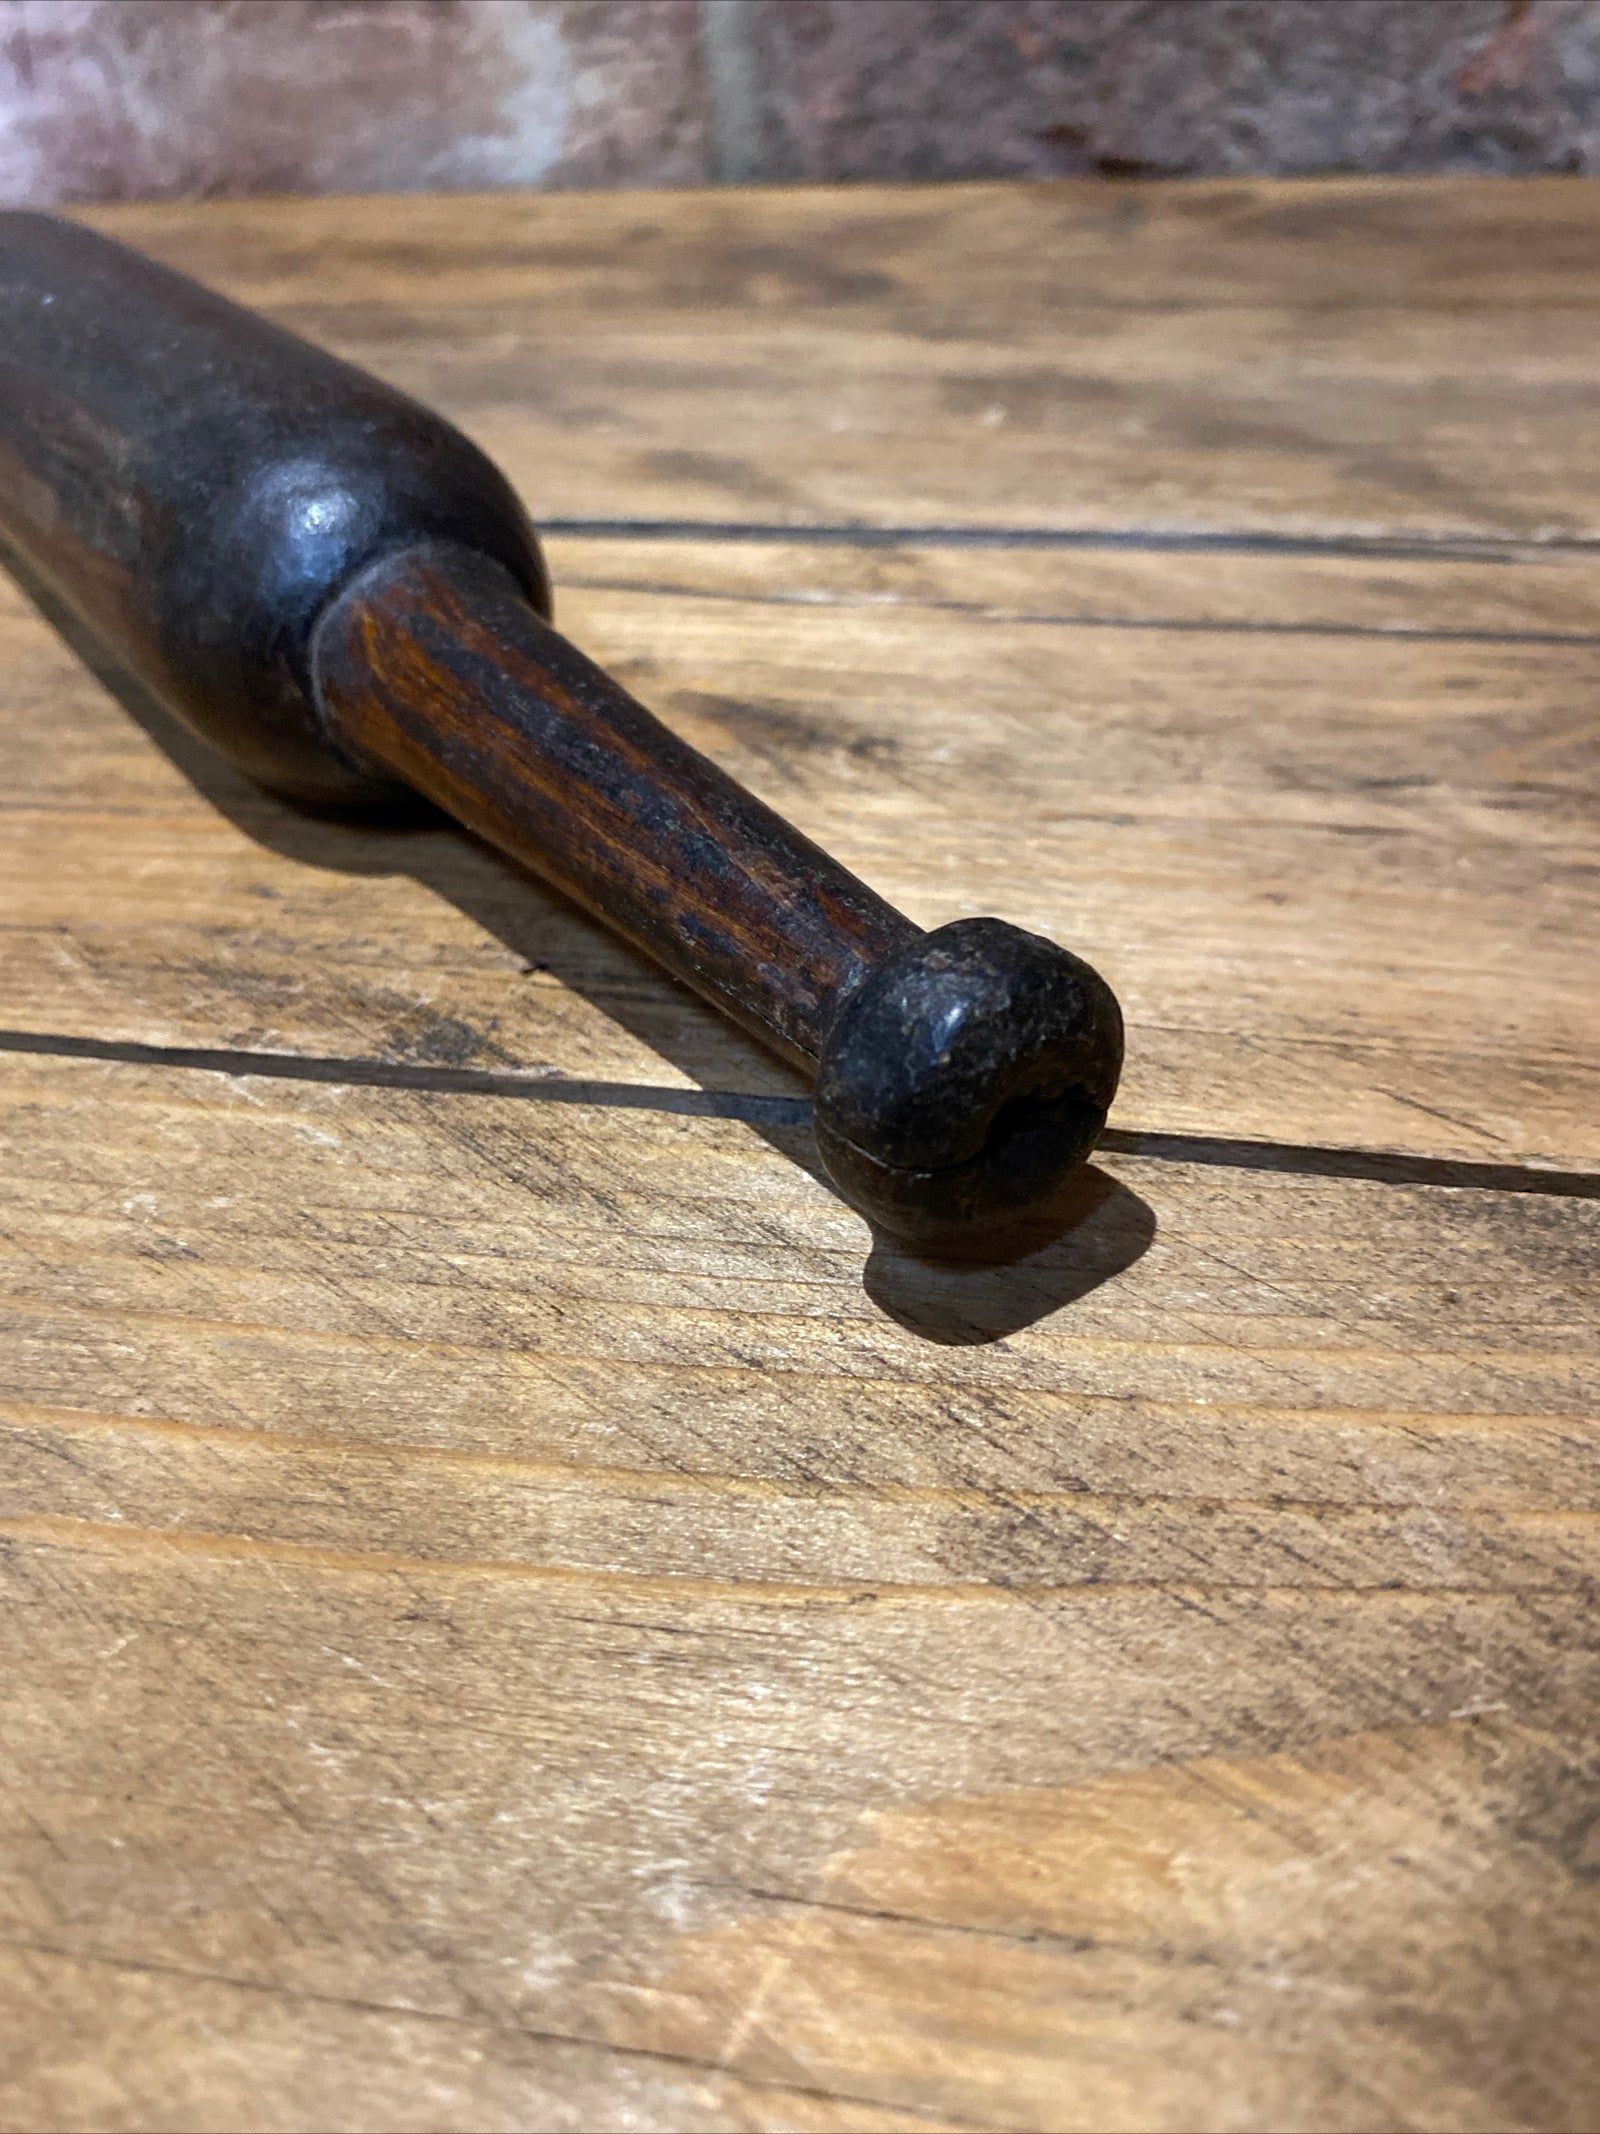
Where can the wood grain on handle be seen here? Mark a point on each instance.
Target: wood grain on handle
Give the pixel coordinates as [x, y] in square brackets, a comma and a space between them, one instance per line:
[434, 665]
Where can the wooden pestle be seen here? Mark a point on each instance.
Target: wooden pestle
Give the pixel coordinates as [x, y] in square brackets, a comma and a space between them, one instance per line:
[333, 586]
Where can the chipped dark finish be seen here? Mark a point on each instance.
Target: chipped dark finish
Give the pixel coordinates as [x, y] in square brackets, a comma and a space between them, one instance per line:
[333, 586]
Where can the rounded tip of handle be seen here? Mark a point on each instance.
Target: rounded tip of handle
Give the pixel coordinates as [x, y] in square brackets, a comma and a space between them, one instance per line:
[963, 1083]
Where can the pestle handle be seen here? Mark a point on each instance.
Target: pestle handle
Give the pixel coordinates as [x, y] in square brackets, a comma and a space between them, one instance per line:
[434, 666]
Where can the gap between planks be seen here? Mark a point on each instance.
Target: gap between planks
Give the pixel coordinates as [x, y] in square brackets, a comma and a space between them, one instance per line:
[1374, 1166]
[1399, 546]
[1396, 548]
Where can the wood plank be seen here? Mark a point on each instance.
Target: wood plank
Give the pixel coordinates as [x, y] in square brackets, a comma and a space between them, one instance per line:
[507, 1257]
[520, 1612]
[1325, 823]
[96, 2042]
[1333, 357]
[508, 1626]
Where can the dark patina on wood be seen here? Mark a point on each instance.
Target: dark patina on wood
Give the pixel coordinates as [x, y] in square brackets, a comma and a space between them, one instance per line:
[335, 587]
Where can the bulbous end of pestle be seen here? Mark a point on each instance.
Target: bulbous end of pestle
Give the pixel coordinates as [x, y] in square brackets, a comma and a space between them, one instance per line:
[962, 1084]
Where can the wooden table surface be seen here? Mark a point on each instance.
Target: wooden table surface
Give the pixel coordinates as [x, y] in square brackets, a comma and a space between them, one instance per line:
[514, 1616]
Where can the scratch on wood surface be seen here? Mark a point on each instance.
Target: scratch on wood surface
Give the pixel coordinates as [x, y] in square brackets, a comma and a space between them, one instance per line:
[658, 1486]
[1225, 1942]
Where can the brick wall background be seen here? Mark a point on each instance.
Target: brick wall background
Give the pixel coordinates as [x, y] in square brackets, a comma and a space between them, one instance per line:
[104, 99]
